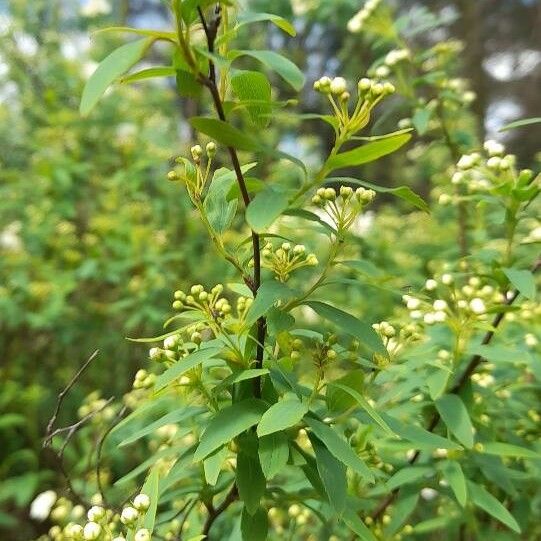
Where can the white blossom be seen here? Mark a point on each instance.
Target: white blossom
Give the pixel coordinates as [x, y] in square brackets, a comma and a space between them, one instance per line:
[94, 8]
[41, 507]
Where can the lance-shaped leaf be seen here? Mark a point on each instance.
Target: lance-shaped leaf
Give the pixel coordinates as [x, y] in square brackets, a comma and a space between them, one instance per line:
[250, 17]
[278, 63]
[182, 366]
[523, 280]
[110, 69]
[367, 153]
[339, 447]
[456, 417]
[403, 192]
[254, 88]
[224, 133]
[250, 481]
[332, 473]
[268, 294]
[284, 414]
[227, 424]
[454, 475]
[349, 324]
[486, 501]
[273, 453]
[265, 208]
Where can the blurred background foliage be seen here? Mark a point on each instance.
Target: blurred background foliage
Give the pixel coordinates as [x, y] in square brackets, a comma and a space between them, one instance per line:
[93, 239]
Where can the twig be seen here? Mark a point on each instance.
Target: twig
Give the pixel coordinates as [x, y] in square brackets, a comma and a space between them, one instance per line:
[214, 513]
[63, 394]
[475, 361]
[99, 450]
[211, 31]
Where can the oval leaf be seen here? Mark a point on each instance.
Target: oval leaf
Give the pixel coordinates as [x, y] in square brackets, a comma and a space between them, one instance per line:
[228, 424]
[282, 415]
[109, 70]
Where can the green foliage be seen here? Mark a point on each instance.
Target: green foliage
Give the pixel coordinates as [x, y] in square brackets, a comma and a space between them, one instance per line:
[348, 372]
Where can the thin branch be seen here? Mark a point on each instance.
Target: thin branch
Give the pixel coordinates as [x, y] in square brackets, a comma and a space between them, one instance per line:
[214, 513]
[472, 366]
[63, 394]
[99, 450]
[211, 31]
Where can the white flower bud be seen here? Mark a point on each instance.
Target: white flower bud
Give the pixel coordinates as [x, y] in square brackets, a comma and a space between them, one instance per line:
[197, 152]
[91, 531]
[477, 306]
[338, 85]
[129, 515]
[431, 284]
[439, 304]
[446, 279]
[365, 84]
[95, 513]
[142, 535]
[141, 502]
[493, 148]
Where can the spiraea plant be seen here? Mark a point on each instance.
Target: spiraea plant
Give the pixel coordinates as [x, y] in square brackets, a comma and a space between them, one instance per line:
[269, 411]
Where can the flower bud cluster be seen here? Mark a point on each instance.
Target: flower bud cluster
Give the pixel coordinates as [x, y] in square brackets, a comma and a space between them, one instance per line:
[356, 23]
[395, 342]
[143, 380]
[196, 174]
[446, 300]
[211, 304]
[484, 173]
[342, 208]
[369, 93]
[98, 524]
[286, 259]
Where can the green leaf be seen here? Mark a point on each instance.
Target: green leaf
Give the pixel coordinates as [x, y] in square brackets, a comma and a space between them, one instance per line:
[521, 123]
[224, 133]
[437, 383]
[229, 423]
[310, 216]
[149, 73]
[284, 414]
[150, 488]
[339, 401]
[185, 364]
[356, 525]
[403, 192]
[507, 449]
[212, 465]
[365, 405]
[523, 280]
[220, 212]
[332, 473]
[367, 153]
[254, 527]
[455, 415]
[197, 538]
[421, 119]
[339, 447]
[421, 438]
[236, 377]
[273, 453]
[265, 208]
[170, 418]
[268, 294]
[408, 475]
[109, 70]
[253, 85]
[281, 65]
[250, 481]
[249, 17]
[487, 502]
[454, 475]
[350, 325]
[156, 34]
